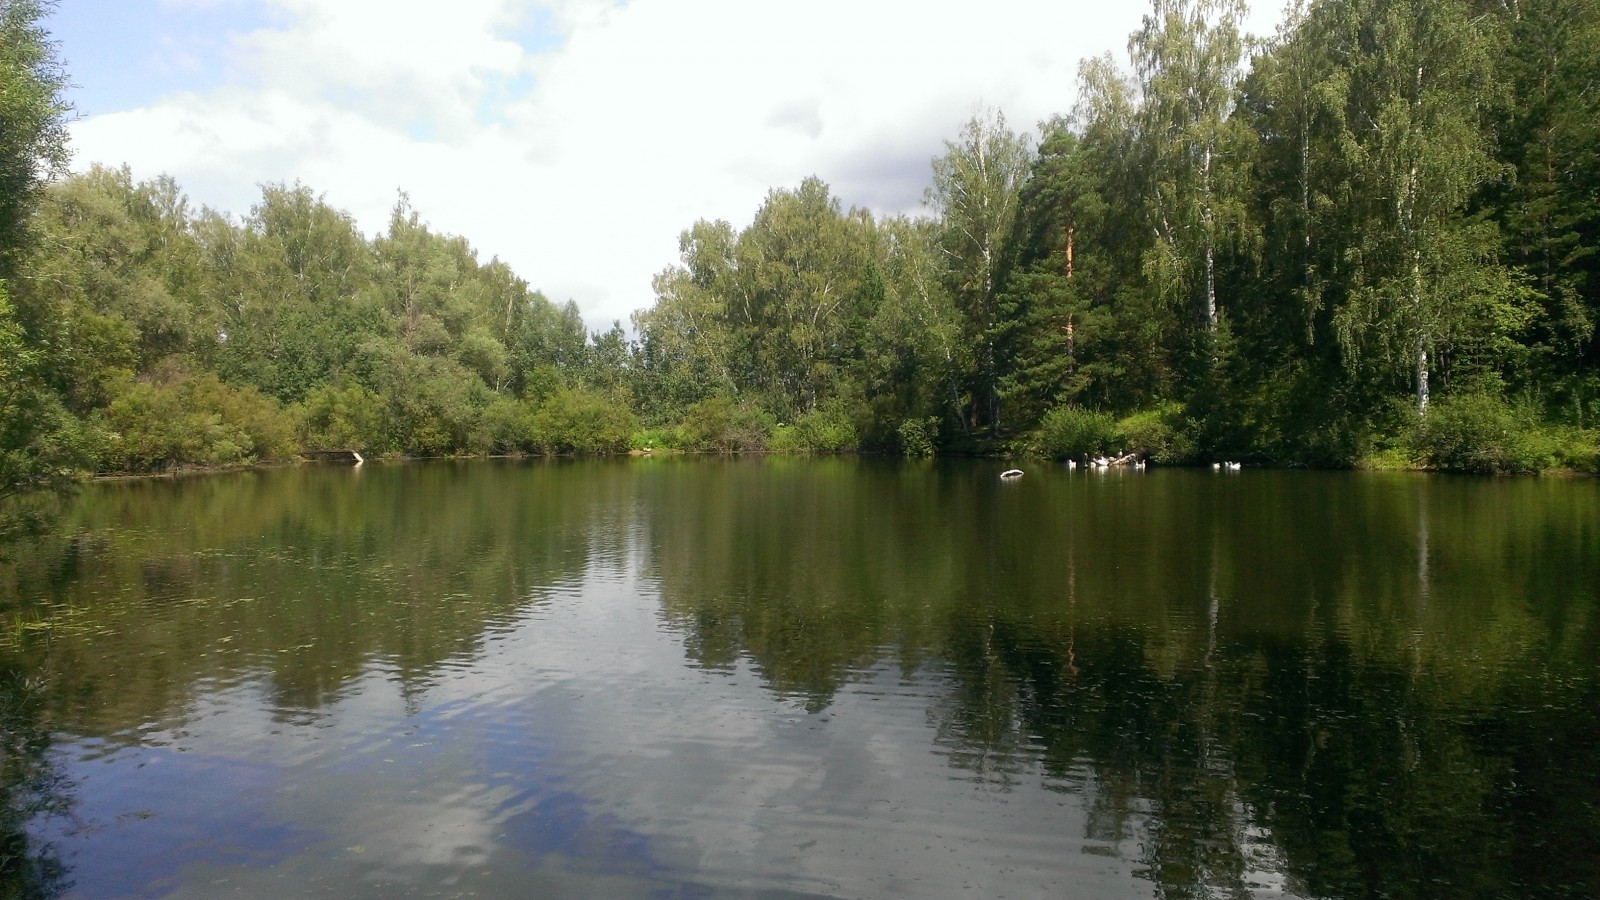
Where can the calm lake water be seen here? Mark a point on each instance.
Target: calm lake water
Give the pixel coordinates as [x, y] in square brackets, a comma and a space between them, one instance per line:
[786, 678]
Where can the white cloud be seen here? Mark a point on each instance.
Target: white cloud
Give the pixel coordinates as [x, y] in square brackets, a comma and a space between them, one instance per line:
[394, 63]
[576, 138]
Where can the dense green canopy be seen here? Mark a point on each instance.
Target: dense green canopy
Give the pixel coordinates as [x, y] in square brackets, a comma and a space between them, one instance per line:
[1371, 238]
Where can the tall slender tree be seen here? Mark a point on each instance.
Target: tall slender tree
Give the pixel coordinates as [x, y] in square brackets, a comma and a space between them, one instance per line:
[798, 284]
[1414, 150]
[1550, 212]
[33, 115]
[1189, 57]
[975, 188]
[39, 437]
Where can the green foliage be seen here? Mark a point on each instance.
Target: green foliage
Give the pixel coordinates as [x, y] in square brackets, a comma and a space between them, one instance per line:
[1072, 431]
[42, 445]
[658, 438]
[33, 115]
[1577, 448]
[1193, 154]
[720, 425]
[785, 439]
[182, 419]
[917, 437]
[975, 189]
[335, 417]
[1158, 434]
[505, 426]
[544, 343]
[1394, 200]
[578, 420]
[1549, 214]
[824, 430]
[1483, 434]
[802, 275]
[911, 358]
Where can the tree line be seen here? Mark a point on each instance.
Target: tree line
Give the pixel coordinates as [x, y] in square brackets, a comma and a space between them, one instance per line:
[1369, 239]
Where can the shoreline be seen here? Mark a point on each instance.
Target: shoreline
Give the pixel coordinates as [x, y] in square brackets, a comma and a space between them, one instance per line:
[188, 470]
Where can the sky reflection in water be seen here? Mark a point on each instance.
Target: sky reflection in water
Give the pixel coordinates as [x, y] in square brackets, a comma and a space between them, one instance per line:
[699, 678]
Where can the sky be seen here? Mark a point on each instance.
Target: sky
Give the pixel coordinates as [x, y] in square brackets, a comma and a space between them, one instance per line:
[573, 139]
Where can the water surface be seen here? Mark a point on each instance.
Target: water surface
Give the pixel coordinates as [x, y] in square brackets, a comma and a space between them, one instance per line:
[782, 677]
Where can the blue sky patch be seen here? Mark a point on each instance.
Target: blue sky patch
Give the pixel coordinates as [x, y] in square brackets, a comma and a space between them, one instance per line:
[126, 54]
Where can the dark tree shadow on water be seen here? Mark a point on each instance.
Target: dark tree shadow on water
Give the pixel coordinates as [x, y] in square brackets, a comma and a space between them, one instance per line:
[25, 518]
[31, 788]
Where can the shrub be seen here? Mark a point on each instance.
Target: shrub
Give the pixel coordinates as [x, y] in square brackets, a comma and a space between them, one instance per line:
[575, 420]
[431, 405]
[1577, 448]
[1074, 431]
[505, 426]
[1157, 434]
[719, 424]
[1482, 433]
[178, 419]
[665, 438]
[825, 430]
[348, 417]
[785, 439]
[917, 436]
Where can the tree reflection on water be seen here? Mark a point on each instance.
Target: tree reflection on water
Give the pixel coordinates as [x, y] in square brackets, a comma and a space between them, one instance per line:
[1312, 685]
[30, 788]
[1301, 691]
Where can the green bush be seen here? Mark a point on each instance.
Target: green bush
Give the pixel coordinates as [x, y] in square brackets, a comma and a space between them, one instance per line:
[431, 405]
[575, 420]
[708, 425]
[666, 438]
[1071, 431]
[785, 439]
[504, 426]
[825, 431]
[1156, 434]
[917, 436]
[1387, 459]
[719, 424]
[349, 417]
[178, 419]
[1482, 433]
[1577, 448]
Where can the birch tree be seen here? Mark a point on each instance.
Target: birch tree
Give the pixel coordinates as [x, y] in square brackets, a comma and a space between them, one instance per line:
[975, 188]
[1415, 150]
[685, 339]
[796, 291]
[1188, 59]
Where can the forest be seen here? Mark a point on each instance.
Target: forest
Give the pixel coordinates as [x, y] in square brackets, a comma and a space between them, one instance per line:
[1367, 240]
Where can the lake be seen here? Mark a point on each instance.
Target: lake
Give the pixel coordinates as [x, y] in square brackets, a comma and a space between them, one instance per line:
[781, 677]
